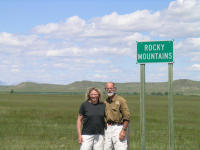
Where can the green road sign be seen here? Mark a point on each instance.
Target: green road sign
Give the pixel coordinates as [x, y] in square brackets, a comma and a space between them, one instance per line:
[155, 52]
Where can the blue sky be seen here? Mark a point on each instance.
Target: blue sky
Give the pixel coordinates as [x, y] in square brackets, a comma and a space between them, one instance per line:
[65, 41]
[35, 12]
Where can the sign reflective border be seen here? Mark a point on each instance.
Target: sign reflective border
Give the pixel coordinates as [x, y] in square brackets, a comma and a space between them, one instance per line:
[155, 52]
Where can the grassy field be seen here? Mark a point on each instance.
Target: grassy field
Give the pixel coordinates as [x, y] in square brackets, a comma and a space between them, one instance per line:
[47, 122]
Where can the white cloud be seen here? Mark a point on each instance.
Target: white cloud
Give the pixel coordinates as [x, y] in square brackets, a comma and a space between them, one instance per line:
[106, 27]
[60, 65]
[114, 70]
[195, 57]
[96, 61]
[181, 19]
[16, 40]
[47, 29]
[86, 63]
[110, 70]
[73, 25]
[15, 70]
[196, 67]
[188, 48]
[142, 20]
[183, 7]
[100, 76]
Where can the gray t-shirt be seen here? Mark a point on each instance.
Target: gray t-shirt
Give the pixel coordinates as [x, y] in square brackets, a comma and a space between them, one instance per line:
[93, 118]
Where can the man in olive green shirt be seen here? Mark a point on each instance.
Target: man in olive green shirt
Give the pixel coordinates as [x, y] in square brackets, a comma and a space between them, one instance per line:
[117, 119]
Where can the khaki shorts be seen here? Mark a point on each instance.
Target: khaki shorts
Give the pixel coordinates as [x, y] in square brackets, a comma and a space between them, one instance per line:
[112, 138]
[92, 142]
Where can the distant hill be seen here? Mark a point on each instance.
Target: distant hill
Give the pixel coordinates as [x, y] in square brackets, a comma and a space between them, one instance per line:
[183, 87]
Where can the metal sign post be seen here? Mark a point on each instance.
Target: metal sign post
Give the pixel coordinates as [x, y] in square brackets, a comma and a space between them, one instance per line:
[142, 106]
[170, 106]
[155, 52]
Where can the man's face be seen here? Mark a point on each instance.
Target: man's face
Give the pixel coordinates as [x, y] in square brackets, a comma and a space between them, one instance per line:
[110, 89]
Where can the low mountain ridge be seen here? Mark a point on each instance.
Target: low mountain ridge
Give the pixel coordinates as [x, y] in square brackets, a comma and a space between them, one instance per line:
[182, 86]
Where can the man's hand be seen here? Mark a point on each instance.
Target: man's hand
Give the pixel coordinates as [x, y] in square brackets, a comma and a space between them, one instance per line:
[80, 139]
[122, 135]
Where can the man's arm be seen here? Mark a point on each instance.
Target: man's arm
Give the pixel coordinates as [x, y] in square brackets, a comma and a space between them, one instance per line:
[126, 117]
[123, 131]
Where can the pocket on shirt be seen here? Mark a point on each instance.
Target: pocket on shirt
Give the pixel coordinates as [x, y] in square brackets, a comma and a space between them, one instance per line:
[115, 108]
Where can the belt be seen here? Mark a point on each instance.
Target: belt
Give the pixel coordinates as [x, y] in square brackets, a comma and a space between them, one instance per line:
[113, 123]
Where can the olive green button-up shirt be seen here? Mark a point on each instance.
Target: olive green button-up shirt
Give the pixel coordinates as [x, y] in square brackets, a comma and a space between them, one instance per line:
[117, 110]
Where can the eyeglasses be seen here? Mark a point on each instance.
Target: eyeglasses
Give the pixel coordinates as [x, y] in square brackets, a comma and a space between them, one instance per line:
[109, 89]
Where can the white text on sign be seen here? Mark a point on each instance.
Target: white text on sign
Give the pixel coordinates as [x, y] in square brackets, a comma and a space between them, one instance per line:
[154, 47]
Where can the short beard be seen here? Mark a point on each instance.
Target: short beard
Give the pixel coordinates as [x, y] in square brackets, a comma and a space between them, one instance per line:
[110, 94]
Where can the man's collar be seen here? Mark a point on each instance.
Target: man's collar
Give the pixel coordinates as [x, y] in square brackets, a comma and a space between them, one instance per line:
[110, 99]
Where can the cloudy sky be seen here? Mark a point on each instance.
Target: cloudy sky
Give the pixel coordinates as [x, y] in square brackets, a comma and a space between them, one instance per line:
[65, 41]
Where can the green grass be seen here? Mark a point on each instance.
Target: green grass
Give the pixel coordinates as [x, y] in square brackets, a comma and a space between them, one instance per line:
[48, 122]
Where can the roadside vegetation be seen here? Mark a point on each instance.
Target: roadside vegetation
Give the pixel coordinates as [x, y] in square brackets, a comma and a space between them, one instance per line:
[48, 122]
